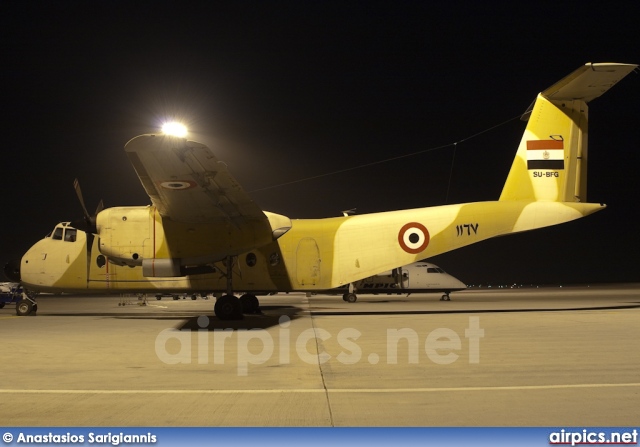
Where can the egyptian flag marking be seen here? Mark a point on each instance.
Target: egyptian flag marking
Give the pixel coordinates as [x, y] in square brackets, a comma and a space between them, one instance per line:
[545, 154]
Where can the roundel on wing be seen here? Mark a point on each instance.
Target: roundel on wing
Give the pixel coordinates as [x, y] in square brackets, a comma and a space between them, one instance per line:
[178, 184]
[413, 237]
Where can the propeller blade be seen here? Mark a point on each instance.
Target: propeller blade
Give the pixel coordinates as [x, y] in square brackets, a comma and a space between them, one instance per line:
[89, 220]
[99, 208]
[76, 186]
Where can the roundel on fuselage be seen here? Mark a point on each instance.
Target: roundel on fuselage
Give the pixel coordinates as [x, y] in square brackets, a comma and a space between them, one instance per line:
[413, 237]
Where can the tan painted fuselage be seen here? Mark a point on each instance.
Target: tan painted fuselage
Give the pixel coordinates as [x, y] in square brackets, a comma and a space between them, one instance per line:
[315, 254]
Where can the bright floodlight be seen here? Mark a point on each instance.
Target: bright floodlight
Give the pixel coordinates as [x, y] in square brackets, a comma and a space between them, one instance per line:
[175, 129]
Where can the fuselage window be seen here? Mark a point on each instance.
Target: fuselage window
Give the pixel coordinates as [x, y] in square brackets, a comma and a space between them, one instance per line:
[70, 235]
[57, 234]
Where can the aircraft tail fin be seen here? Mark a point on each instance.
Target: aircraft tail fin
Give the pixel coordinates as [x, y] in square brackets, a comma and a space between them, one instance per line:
[551, 162]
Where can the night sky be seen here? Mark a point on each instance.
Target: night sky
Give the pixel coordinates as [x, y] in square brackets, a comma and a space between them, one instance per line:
[293, 95]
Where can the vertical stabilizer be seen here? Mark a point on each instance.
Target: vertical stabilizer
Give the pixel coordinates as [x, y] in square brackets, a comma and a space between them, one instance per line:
[551, 162]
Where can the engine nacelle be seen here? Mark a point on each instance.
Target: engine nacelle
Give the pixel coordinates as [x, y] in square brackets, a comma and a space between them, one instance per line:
[139, 236]
[126, 234]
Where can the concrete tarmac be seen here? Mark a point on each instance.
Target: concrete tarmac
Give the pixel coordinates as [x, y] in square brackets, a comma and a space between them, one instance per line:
[528, 357]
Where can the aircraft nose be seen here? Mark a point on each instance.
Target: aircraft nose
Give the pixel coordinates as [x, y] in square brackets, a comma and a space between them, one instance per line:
[12, 270]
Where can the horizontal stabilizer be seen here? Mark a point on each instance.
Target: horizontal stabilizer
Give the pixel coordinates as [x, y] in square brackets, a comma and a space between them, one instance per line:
[588, 82]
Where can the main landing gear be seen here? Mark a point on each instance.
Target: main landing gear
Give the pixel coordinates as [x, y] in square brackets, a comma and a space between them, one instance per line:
[228, 306]
[350, 297]
[445, 297]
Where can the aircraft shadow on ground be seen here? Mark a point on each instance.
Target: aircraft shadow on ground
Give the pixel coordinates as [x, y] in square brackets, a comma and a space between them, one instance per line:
[192, 320]
[260, 320]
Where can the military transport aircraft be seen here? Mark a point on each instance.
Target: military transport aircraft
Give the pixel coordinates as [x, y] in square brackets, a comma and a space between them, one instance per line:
[203, 233]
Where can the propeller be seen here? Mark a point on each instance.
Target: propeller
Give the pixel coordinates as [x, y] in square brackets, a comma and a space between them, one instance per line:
[88, 225]
[89, 220]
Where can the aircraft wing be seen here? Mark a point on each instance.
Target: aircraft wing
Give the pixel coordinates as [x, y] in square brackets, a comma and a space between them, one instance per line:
[187, 183]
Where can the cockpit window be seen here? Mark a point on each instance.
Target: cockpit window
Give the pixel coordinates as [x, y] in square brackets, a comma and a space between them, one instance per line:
[433, 270]
[70, 234]
[57, 234]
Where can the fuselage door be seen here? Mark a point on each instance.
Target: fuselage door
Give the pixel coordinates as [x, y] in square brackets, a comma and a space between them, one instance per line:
[308, 262]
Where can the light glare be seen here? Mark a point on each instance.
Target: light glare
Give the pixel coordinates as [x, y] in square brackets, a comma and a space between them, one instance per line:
[175, 129]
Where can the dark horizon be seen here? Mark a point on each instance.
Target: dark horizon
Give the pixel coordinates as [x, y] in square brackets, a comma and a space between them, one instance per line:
[295, 91]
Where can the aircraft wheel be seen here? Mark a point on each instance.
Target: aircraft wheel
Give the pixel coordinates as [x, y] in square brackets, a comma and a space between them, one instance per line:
[1, 305]
[193, 297]
[24, 307]
[445, 297]
[350, 297]
[158, 297]
[249, 303]
[228, 307]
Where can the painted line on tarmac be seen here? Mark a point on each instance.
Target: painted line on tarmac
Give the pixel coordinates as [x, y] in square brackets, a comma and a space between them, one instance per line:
[338, 390]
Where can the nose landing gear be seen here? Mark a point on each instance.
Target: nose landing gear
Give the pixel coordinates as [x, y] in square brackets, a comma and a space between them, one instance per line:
[26, 306]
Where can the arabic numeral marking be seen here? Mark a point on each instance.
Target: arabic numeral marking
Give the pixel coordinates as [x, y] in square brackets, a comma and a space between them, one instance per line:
[467, 229]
